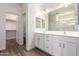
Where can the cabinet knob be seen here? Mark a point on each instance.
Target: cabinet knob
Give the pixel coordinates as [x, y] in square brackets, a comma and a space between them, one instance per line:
[47, 47]
[47, 40]
[38, 38]
[59, 44]
[47, 36]
[63, 45]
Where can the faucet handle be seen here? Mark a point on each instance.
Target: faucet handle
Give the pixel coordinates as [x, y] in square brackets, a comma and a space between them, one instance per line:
[64, 32]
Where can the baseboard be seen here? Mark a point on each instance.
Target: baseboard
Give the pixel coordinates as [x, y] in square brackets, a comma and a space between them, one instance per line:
[1, 49]
[44, 52]
[28, 49]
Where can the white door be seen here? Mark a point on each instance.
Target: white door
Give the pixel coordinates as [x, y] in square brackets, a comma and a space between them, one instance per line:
[2, 32]
[57, 47]
[19, 31]
[69, 49]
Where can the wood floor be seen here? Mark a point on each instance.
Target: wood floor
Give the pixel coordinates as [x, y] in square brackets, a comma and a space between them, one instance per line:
[13, 49]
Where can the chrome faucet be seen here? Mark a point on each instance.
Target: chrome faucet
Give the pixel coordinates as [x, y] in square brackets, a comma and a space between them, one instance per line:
[64, 32]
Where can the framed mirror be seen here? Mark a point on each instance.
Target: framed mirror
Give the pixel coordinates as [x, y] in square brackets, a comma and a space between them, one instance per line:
[40, 23]
[63, 19]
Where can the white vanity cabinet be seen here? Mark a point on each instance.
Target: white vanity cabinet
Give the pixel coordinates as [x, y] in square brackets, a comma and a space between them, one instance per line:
[64, 46]
[69, 49]
[48, 44]
[39, 41]
[78, 47]
[43, 42]
[56, 45]
[61, 48]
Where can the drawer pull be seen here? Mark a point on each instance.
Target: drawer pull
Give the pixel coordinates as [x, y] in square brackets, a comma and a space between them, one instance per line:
[47, 47]
[47, 40]
[59, 44]
[47, 36]
[63, 45]
[38, 38]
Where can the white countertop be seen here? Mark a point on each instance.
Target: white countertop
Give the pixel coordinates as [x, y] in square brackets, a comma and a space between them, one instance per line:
[67, 33]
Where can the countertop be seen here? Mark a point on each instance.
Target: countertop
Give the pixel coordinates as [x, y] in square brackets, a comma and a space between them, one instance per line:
[62, 33]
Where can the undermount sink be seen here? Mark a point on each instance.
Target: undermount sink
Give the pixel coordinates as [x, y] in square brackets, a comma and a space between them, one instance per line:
[55, 32]
[64, 33]
[70, 33]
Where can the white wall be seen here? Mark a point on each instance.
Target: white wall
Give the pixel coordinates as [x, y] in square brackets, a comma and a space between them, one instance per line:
[23, 7]
[2, 32]
[24, 13]
[10, 7]
[10, 25]
[6, 8]
[32, 10]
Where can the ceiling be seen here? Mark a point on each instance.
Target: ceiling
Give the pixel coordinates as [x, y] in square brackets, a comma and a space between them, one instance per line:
[52, 6]
[49, 5]
[71, 7]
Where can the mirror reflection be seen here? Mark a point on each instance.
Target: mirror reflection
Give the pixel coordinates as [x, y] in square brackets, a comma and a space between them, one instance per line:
[63, 19]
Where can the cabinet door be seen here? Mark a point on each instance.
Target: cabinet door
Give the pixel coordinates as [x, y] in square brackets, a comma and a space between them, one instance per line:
[48, 44]
[42, 43]
[78, 47]
[39, 41]
[57, 47]
[69, 49]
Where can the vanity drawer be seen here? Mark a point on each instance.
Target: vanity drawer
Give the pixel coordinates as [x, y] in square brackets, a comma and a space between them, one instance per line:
[65, 38]
[48, 37]
[70, 39]
[48, 49]
[47, 43]
[48, 40]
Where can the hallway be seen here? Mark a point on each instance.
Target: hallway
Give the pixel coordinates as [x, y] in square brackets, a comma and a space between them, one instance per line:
[13, 49]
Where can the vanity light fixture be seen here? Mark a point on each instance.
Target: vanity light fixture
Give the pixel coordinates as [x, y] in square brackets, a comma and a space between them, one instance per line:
[66, 4]
[45, 11]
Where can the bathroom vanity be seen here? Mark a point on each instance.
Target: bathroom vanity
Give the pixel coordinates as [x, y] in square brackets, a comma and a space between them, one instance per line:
[57, 44]
[60, 35]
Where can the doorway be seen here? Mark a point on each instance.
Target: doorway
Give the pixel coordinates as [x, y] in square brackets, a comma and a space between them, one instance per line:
[11, 29]
[15, 31]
